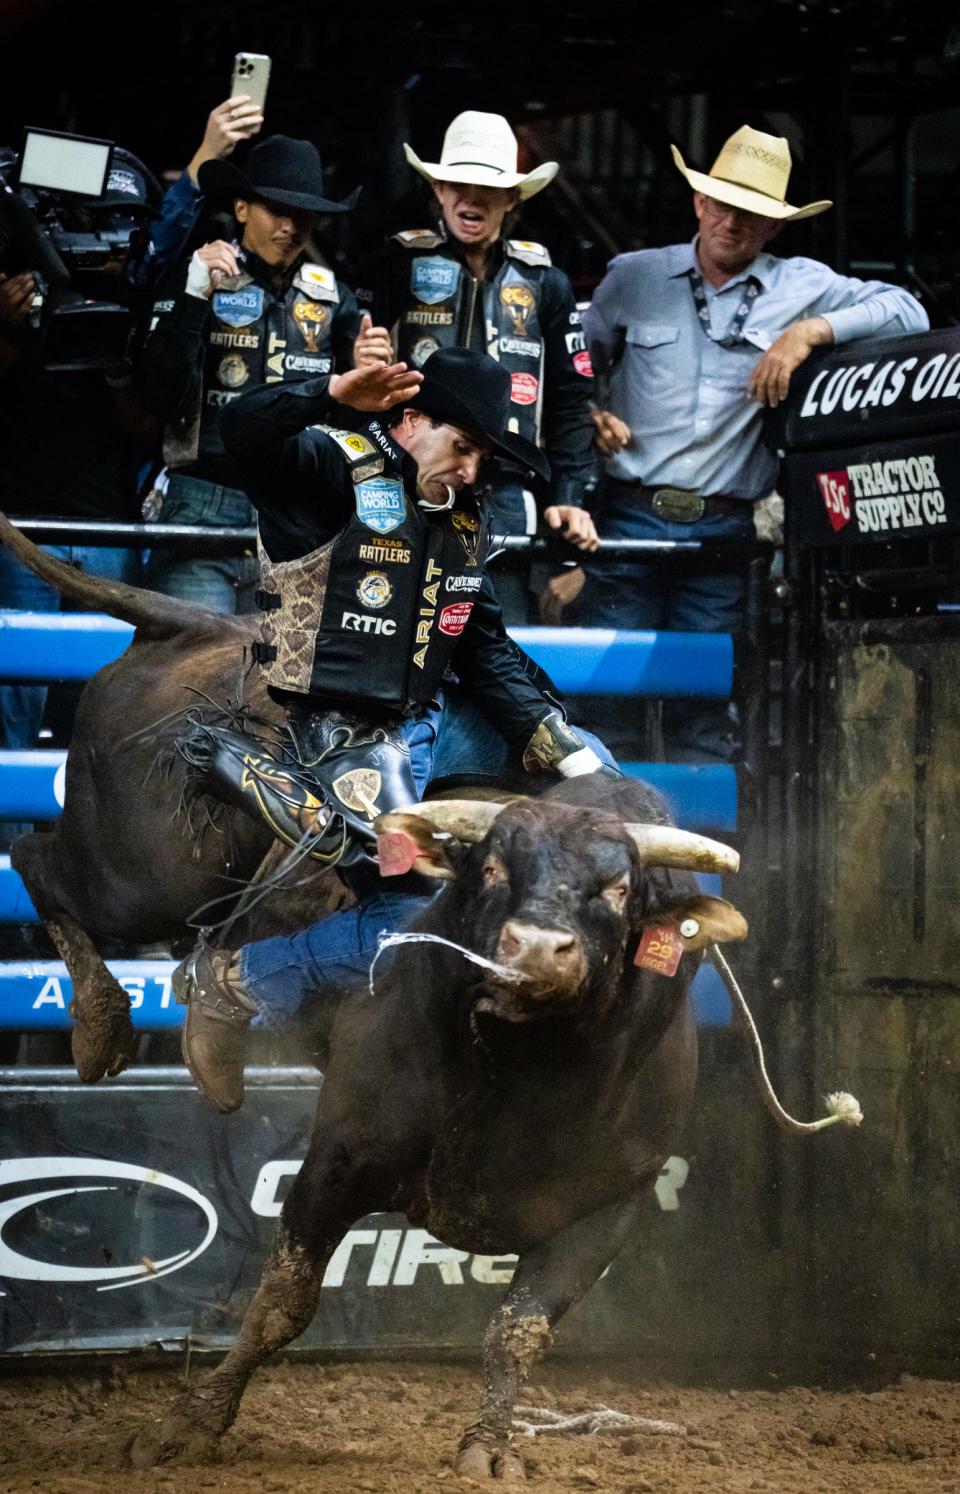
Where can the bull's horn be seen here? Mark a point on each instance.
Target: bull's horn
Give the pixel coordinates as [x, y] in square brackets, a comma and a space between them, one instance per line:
[467, 819]
[665, 845]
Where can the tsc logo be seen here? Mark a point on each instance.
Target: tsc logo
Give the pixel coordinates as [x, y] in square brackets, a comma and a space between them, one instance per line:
[835, 492]
[91, 1175]
[364, 622]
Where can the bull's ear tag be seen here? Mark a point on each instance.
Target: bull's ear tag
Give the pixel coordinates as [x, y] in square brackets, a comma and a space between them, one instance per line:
[396, 853]
[659, 949]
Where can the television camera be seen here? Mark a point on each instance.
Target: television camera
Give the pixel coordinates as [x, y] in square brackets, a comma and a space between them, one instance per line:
[70, 211]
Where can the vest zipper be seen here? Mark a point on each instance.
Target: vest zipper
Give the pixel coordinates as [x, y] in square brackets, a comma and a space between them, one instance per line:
[474, 287]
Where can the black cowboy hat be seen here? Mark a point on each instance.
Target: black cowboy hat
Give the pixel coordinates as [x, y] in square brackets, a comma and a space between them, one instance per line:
[472, 391]
[277, 169]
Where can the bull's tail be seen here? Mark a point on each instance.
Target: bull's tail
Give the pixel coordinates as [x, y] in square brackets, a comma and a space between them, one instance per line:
[157, 616]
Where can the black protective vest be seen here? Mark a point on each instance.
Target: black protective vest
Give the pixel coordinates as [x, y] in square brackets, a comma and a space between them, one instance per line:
[254, 337]
[446, 307]
[374, 615]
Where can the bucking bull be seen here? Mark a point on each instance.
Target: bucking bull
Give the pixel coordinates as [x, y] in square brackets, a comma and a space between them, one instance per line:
[513, 1081]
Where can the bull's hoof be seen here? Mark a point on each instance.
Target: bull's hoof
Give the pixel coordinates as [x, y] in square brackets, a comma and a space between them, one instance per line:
[490, 1460]
[103, 1043]
[177, 1436]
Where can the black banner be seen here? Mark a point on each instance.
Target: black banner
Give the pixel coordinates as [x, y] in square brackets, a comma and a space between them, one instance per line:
[875, 389]
[881, 493]
[133, 1215]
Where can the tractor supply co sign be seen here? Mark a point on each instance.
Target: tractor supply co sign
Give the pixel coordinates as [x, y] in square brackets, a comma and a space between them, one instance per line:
[890, 491]
[102, 1248]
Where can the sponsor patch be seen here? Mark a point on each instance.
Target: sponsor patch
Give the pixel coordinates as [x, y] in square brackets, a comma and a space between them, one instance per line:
[386, 552]
[374, 590]
[463, 583]
[303, 363]
[523, 388]
[525, 347]
[576, 341]
[422, 349]
[467, 530]
[520, 303]
[316, 277]
[453, 619]
[581, 362]
[659, 949]
[240, 307]
[433, 278]
[220, 397]
[365, 622]
[380, 504]
[425, 318]
[312, 319]
[123, 181]
[233, 371]
[234, 340]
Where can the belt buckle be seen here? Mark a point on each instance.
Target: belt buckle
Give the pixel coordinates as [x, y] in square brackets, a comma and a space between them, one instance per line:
[678, 506]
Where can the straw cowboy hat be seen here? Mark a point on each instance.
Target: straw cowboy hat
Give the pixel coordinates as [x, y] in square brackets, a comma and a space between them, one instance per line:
[751, 172]
[481, 149]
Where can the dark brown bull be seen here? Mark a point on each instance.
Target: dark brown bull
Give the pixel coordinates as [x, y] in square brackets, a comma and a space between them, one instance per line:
[122, 864]
[525, 1108]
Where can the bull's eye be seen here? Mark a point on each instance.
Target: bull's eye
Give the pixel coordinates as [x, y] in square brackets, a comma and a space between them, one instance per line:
[615, 893]
[493, 871]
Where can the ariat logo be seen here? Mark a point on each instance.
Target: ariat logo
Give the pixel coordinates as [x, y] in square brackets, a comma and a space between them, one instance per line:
[428, 611]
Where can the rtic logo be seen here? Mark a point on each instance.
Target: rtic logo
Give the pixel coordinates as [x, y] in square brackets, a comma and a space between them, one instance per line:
[110, 1177]
[362, 622]
[835, 492]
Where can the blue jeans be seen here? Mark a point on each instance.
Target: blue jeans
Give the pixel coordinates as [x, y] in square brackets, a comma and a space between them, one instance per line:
[224, 583]
[286, 974]
[668, 595]
[22, 706]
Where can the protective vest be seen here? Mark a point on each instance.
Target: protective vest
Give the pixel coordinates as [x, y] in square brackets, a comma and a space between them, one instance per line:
[373, 615]
[446, 307]
[254, 337]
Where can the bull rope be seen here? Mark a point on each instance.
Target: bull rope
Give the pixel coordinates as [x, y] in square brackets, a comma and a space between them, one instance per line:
[541, 1421]
[842, 1108]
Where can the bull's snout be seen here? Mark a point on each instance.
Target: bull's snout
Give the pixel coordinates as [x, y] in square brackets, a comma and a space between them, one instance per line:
[552, 960]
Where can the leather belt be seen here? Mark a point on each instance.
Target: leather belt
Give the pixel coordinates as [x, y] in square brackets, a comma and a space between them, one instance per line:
[680, 505]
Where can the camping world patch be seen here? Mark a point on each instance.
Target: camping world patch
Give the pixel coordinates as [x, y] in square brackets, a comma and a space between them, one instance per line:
[380, 504]
[240, 307]
[434, 279]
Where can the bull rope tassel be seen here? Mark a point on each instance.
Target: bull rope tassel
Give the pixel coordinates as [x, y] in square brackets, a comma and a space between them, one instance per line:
[841, 1107]
[387, 941]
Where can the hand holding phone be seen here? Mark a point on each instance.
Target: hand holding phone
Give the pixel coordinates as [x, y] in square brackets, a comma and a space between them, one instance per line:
[251, 75]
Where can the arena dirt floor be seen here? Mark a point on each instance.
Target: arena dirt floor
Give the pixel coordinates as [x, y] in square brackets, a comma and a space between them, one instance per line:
[391, 1428]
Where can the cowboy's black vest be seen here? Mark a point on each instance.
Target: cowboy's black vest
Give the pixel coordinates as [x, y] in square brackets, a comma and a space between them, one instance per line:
[254, 336]
[374, 615]
[446, 307]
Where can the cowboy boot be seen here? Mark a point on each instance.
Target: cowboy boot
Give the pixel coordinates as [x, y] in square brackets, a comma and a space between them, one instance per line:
[214, 1038]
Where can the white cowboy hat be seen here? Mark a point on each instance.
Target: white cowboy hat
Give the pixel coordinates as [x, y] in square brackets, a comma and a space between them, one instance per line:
[481, 149]
[751, 172]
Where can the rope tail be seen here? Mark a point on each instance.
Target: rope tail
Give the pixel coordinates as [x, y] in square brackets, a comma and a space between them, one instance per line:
[841, 1108]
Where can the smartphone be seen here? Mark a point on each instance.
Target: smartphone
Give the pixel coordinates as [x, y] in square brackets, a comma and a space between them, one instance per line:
[251, 74]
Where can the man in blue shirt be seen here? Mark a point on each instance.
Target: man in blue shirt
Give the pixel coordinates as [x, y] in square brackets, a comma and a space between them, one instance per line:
[692, 342]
